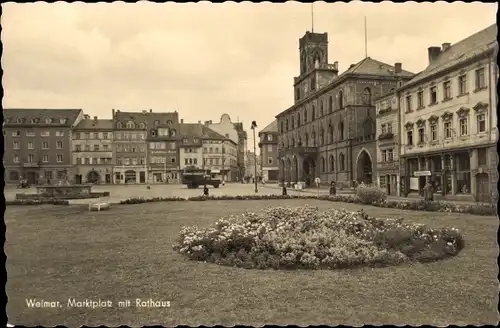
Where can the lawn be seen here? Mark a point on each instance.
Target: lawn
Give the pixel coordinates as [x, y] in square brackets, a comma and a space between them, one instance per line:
[56, 252]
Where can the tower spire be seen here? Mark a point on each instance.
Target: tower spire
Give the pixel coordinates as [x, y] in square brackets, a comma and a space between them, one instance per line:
[312, 17]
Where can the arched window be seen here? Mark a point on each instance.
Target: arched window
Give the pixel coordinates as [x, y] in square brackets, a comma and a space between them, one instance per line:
[313, 113]
[367, 96]
[305, 116]
[341, 162]
[293, 142]
[307, 140]
[317, 59]
[287, 124]
[282, 126]
[332, 163]
[313, 137]
[322, 140]
[313, 82]
[293, 122]
[323, 164]
[142, 126]
[340, 99]
[321, 112]
[298, 119]
[48, 120]
[330, 104]
[63, 120]
[299, 143]
[130, 125]
[330, 132]
[341, 131]
[368, 129]
[118, 125]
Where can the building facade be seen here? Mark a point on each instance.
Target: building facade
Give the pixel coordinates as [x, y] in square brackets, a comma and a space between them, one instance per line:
[38, 144]
[268, 146]
[236, 133]
[387, 109]
[92, 155]
[330, 130]
[449, 121]
[252, 165]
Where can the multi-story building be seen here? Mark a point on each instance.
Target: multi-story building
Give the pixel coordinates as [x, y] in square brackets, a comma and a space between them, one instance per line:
[191, 145]
[93, 151]
[237, 134]
[252, 165]
[330, 130]
[449, 120]
[38, 144]
[145, 146]
[268, 146]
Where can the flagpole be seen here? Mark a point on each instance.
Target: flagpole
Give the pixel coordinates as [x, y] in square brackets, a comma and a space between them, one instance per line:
[312, 17]
[366, 40]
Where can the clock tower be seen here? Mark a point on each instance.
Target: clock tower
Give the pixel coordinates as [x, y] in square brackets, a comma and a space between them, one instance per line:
[315, 72]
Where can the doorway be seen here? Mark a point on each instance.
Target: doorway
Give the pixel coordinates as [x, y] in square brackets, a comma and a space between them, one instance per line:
[483, 188]
[31, 177]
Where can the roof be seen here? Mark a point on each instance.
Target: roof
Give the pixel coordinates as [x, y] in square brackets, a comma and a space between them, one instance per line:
[147, 117]
[91, 124]
[369, 66]
[12, 114]
[476, 44]
[199, 131]
[271, 127]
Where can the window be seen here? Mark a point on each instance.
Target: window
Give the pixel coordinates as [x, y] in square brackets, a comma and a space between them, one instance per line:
[16, 145]
[31, 158]
[367, 97]
[421, 135]
[59, 157]
[341, 162]
[105, 147]
[434, 135]
[340, 99]
[269, 137]
[433, 95]
[15, 159]
[48, 120]
[382, 181]
[45, 133]
[408, 104]
[482, 158]
[31, 145]
[164, 132]
[270, 160]
[45, 158]
[130, 125]
[420, 99]
[463, 126]
[87, 147]
[142, 126]
[96, 147]
[384, 155]
[462, 85]
[447, 130]
[481, 123]
[96, 135]
[269, 148]
[447, 90]
[384, 129]
[59, 145]
[480, 80]
[30, 133]
[45, 145]
[118, 125]
[16, 133]
[409, 137]
[78, 148]
[389, 127]
[390, 156]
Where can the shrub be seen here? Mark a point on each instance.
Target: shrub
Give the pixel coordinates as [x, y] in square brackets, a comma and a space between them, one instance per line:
[304, 237]
[50, 201]
[370, 194]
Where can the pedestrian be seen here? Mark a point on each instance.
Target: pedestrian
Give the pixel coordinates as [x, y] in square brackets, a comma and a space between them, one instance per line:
[333, 189]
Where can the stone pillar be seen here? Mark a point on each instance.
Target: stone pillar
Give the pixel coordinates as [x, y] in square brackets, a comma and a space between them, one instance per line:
[453, 174]
[398, 184]
[443, 178]
[407, 177]
[473, 169]
[427, 168]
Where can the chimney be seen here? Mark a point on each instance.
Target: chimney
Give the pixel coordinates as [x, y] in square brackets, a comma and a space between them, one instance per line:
[182, 121]
[351, 66]
[86, 116]
[210, 121]
[199, 122]
[434, 53]
[150, 110]
[95, 118]
[113, 113]
[398, 68]
[445, 46]
[336, 65]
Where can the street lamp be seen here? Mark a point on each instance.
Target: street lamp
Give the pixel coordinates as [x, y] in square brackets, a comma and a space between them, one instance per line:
[254, 125]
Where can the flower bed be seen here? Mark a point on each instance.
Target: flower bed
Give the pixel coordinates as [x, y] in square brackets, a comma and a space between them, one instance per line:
[304, 237]
[418, 205]
[50, 201]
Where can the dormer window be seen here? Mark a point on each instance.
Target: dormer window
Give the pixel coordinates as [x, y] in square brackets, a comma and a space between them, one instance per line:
[19, 120]
[157, 123]
[63, 120]
[48, 120]
[153, 133]
[172, 133]
[130, 125]
[33, 120]
[169, 122]
[142, 125]
[118, 125]
[185, 141]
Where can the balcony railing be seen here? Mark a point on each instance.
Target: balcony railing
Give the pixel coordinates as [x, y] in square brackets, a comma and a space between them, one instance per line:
[386, 136]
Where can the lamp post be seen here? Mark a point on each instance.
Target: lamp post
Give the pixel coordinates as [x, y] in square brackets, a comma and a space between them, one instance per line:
[254, 125]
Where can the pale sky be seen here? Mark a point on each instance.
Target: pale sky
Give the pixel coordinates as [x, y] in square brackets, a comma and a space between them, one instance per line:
[205, 59]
